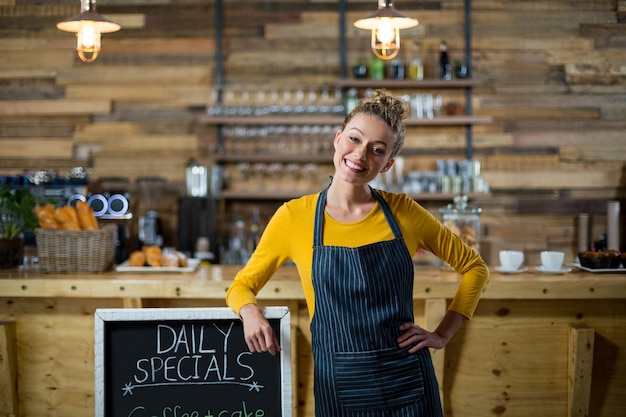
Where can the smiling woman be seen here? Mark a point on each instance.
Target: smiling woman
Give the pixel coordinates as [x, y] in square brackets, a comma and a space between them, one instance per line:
[352, 246]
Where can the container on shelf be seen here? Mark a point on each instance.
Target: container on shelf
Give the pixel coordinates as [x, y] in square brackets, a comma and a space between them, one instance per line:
[463, 220]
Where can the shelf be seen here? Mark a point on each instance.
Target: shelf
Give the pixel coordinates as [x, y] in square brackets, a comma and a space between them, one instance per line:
[434, 83]
[280, 195]
[333, 120]
[449, 121]
[287, 119]
[297, 158]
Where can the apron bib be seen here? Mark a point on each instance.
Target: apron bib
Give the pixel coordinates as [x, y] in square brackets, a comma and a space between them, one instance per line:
[362, 295]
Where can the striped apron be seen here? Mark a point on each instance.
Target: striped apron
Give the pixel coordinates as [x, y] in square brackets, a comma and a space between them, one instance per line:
[362, 295]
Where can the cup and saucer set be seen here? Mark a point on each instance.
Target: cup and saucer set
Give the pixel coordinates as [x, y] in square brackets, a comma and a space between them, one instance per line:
[511, 262]
[552, 263]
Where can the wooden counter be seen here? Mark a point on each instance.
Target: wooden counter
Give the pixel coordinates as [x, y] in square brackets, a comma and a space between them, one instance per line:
[549, 345]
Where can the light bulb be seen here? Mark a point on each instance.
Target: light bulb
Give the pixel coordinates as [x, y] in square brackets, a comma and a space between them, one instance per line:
[88, 41]
[385, 31]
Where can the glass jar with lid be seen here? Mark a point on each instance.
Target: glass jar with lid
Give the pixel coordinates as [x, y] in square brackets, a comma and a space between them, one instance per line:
[463, 220]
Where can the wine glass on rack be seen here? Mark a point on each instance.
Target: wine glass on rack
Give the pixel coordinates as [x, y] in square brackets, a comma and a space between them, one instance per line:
[260, 170]
[286, 101]
[299, 107]
[312, 104]
[293, 137]
[275, 106]
[243, 168]
[262, 107]
[293, 172]
[244, 107]
[262, 137]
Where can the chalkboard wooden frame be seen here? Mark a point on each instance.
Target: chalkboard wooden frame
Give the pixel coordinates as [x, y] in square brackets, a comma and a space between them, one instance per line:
[105, 319]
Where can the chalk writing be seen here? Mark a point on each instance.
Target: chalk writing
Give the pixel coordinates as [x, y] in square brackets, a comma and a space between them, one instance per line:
[185, 354]
[177, 411]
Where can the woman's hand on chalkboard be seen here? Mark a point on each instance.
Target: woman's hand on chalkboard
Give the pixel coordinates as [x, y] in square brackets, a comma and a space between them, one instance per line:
[257, 331]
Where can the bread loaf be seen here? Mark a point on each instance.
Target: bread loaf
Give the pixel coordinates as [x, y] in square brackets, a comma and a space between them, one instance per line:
[45, 215]
[86, 218]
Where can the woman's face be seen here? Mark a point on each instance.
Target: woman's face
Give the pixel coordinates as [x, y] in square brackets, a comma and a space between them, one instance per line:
[363, 149]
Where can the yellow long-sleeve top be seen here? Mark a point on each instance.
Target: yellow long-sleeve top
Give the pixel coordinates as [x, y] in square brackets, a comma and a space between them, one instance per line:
[289, 236]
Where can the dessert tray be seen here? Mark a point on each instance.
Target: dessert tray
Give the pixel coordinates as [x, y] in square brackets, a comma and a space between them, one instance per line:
[620, 270]
[125, 267]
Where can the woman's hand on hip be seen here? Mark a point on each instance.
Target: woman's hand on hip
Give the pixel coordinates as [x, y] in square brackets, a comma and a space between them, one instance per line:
[257, 331]
[417, 338]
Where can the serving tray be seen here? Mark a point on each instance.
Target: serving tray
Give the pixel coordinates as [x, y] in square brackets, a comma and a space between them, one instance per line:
[620, 270]
[192, 265]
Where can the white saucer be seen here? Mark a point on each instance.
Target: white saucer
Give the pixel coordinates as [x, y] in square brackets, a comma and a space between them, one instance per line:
[510, 271]
[560, 271]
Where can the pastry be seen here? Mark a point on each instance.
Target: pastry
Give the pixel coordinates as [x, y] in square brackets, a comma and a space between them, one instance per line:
[600, 260]
[153, 255]
[183, 262]
[137, 258]
[67, 218]
[169, 259]
[45, 215]
[86, 218]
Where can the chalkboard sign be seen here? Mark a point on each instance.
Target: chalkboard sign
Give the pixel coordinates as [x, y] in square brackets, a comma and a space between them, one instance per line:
[188, 362]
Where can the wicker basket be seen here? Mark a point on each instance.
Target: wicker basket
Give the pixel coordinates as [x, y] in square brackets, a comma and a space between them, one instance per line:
[76, 251]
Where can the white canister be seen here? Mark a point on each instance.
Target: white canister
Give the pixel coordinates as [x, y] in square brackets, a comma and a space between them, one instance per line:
[197, 179]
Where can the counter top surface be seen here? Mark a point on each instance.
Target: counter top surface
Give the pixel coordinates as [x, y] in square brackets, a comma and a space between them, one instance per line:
[211, 282]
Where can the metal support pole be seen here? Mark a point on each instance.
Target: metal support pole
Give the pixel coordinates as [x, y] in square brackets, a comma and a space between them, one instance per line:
[469, 145]
[342, 40]
[219, 66]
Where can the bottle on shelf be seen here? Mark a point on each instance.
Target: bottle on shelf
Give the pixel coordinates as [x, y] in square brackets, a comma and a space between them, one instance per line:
[416, 65]
[254, 231]
[445, 68]
[236, 253]
[377, 68]
[360, 69]
[396, 69]
[352, 100]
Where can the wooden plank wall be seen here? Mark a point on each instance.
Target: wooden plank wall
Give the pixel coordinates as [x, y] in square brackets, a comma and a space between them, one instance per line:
[553, 74]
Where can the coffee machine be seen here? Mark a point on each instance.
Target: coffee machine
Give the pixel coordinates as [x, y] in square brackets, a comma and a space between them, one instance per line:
[110, 200]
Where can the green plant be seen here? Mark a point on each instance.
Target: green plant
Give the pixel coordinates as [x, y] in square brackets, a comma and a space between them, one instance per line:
[17, 211]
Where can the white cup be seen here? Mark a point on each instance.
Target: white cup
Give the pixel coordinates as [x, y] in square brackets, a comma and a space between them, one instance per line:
[552, 260]
[511, 260]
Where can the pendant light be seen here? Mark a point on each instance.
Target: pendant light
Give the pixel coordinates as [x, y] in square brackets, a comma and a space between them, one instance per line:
[88, 26]
[385, 24]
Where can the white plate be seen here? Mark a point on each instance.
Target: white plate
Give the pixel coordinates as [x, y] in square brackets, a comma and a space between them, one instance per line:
[542, 269]
[510, 271]
[600, 270]
[125, 267]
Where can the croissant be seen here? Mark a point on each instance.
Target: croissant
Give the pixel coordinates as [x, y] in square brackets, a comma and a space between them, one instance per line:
[137, 258]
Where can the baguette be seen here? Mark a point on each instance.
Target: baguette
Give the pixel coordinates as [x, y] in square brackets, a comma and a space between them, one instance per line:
[45, 215]
[86, 218]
